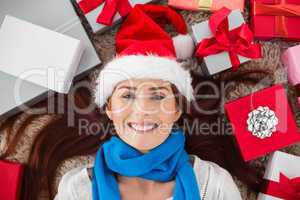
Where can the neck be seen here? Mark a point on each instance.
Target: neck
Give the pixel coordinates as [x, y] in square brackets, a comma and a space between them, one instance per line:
[147, 186]
[144, 151]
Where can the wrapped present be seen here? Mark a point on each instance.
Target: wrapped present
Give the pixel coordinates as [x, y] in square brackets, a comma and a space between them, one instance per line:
[38, 55]
[101, 14]
[209, 5]
[10, 180]
[276, 19]
[282, 178]
[262, 122]
[224, 41]
[290, 59]
[65, 21]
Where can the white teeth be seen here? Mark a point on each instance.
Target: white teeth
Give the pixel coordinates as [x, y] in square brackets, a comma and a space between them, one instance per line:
[142, 127]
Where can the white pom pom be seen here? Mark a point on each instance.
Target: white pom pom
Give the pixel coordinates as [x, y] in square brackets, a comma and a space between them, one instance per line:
[184, 46]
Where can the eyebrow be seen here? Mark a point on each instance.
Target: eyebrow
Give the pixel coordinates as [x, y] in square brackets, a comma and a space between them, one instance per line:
[152, 88]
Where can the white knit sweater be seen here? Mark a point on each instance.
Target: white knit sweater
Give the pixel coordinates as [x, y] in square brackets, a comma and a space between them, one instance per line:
[215, 183]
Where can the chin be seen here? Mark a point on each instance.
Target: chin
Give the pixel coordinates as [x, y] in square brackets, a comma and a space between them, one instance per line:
[146, 147]
[144, 142]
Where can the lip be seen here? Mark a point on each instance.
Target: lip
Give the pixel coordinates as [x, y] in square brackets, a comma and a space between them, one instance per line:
[142, 127]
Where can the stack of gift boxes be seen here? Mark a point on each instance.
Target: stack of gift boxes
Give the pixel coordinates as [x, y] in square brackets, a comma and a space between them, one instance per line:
[56, 45]
[262, 122]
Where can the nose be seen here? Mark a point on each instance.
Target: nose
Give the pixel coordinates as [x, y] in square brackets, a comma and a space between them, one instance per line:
[143, 106]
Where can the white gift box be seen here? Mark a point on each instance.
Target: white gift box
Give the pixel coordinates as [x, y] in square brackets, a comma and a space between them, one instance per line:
[38, 55]
[284, 163]
[92, 16]
[213, 64]
[65, 21]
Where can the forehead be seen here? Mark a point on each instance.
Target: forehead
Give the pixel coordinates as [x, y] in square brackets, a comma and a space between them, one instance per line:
[144, 83]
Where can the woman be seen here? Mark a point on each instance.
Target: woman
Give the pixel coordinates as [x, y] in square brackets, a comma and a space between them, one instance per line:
[143, 119]
[139, 92]
[148, 97]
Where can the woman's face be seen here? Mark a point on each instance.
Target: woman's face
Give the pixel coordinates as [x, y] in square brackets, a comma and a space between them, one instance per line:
[143, 112]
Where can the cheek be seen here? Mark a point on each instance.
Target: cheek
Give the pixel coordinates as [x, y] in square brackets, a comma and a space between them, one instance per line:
[120, 112]
[167, 111]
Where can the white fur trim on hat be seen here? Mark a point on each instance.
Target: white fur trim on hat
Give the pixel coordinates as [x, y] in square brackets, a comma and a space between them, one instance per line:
[142, 66]
[184, 46]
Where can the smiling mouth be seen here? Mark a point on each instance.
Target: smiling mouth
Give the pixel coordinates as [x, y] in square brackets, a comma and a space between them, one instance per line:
[142, 127]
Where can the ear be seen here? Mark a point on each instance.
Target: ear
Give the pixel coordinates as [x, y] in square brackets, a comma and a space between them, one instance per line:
[108, 110]
[178, 114]
[108, 113]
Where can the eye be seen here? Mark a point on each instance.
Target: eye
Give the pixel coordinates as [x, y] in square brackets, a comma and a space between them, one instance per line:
[128, 96]
[158, 97]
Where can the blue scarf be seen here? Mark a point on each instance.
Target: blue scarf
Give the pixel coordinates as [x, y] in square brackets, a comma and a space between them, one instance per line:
[166, 162]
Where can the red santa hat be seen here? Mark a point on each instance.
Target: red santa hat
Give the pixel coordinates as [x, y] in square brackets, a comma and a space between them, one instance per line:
[145, 50]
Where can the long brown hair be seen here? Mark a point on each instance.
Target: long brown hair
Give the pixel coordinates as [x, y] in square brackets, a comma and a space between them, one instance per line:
[58, 141]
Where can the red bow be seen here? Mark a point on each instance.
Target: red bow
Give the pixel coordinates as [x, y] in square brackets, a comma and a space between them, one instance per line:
[236, 42]
[111, 7]
[280, 10]
[287, 189]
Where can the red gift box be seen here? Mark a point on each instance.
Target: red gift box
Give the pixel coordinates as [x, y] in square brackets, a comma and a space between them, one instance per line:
[102, 14]
[282, 178]
[255, 129]
[10, 180]
[276, 19]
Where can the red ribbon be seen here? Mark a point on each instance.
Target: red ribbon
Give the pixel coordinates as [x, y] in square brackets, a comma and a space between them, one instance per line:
[287, 189]
[111, 7]
[236, 42]
[280, 10]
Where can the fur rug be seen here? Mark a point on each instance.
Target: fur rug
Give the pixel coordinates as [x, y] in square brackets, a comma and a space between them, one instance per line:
[104, 44]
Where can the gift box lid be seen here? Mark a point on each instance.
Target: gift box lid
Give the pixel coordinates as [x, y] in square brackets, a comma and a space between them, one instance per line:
[10, 180]
[292, 63]
[266, 19]
[202, 31]
[64, 21]
[221, 61]
[281, 167]
[209, 5]
[260, 110]
[93, 14]
[38, 55]
[281, 162]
